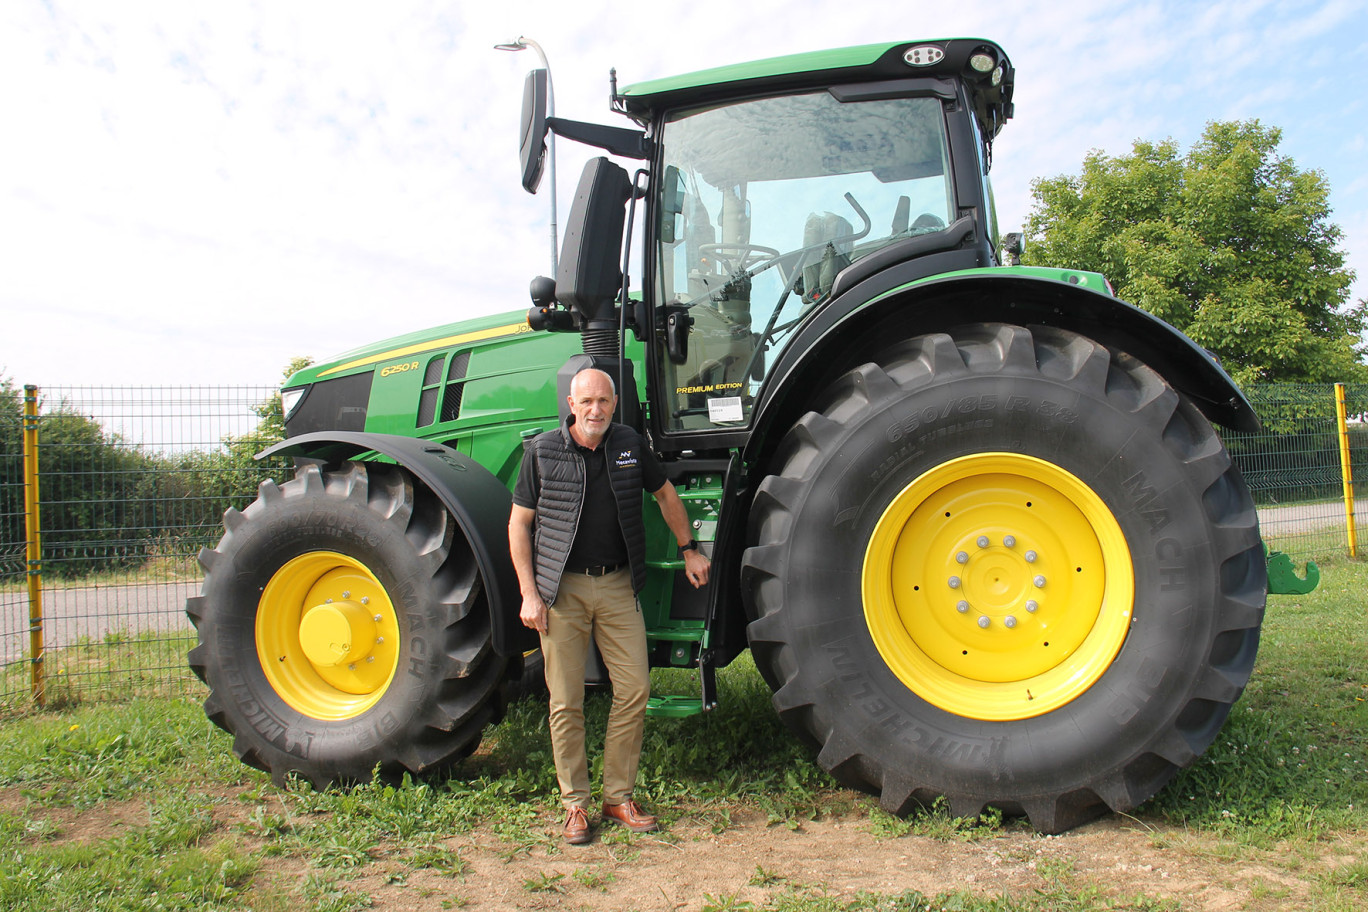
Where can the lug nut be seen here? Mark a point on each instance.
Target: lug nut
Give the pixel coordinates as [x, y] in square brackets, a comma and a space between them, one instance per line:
[365, 599]
[1031, 557]
[982, 541]
[379, 640]
[1009, 621]
[1009, 541]
[1039, 582]
[347, 594]
[962, 557]
[1032, 605]
[376, 619]
[962, 606]
[954, 582]
[983, 621]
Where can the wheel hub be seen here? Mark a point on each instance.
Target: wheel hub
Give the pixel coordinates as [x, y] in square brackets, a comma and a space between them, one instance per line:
[998, 586]
[336, 633]
[327, 635]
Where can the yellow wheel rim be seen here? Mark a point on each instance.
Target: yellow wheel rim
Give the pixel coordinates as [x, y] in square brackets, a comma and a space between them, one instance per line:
[998, 586]
[327, 635]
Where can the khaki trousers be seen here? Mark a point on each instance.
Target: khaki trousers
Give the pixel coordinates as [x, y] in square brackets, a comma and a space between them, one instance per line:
[605, 608]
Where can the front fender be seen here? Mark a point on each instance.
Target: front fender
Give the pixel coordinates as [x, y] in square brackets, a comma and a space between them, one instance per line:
[866, 320]
[476, 499]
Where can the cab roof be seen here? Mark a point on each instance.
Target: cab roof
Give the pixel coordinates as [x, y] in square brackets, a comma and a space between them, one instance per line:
[982, 65]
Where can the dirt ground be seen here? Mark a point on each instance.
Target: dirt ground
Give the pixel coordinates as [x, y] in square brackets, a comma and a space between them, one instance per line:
[689, 865]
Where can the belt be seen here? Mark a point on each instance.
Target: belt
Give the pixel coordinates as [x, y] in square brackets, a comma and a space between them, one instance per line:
[597, 571]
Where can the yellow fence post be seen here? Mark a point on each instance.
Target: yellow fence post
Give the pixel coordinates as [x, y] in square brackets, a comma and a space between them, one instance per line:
[1346, 470]
[33, 540]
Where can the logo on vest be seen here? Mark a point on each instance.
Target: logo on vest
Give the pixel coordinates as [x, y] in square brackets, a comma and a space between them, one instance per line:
[626, 459]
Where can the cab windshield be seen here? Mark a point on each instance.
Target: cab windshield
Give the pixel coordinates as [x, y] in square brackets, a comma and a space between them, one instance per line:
[761, 204]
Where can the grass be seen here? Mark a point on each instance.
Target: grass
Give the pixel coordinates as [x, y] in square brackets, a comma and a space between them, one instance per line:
[1291, 760]
[147, 663]
[184, 825]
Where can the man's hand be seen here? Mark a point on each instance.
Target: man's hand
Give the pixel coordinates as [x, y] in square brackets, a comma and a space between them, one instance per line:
[696, 566]
[533, 613]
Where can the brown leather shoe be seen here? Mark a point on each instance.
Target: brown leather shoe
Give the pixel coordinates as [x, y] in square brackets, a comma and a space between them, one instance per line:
[630, 815]
[577, 830]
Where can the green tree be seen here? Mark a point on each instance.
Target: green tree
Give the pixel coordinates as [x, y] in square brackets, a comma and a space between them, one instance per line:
[97, 491]
[98, 495]
[109, 504]
[1231, 243]
[11, 480]
[205, 483]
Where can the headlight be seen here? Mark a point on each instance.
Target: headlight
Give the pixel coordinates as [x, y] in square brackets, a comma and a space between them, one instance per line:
[290, 399]
[983, 62]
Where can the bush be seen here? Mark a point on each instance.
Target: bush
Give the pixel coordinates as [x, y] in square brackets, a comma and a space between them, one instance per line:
[109, 504]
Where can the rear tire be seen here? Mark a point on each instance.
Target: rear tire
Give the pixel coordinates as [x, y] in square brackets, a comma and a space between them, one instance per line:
[344, 628]
[910, 635]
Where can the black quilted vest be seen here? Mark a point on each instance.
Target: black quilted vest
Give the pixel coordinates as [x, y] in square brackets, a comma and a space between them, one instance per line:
[560, 475]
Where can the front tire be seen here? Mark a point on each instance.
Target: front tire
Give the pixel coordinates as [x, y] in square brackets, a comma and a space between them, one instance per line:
[344, 628]
[1005, 566]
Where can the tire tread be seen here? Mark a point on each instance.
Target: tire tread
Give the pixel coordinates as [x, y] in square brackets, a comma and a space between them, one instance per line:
[1129, 386]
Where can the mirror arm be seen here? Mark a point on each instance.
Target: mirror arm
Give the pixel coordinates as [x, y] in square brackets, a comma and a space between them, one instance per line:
[617, 140]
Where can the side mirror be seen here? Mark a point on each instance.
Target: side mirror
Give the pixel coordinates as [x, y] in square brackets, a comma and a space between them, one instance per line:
[532, 141]
[1009, 251]
[589, 274]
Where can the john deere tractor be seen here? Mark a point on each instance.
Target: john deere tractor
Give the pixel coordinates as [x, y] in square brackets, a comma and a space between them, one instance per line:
[970, 518]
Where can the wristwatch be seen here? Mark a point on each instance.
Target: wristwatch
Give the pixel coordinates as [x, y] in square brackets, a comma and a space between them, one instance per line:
[691, 546]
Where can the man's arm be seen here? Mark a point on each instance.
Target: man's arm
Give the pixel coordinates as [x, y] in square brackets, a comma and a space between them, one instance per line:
[696, 564]
[533, 613]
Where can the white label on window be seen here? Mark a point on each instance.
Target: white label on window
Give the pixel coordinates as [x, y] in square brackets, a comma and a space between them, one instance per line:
[728, 409]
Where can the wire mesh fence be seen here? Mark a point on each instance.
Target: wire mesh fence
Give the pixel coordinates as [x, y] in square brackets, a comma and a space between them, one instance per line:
[1293, 467]
[134, 481]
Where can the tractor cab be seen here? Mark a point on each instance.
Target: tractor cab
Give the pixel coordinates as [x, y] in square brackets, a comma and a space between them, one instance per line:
[775, 188]
[763, 203]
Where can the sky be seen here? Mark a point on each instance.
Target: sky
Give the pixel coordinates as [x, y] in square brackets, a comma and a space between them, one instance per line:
[193, 193]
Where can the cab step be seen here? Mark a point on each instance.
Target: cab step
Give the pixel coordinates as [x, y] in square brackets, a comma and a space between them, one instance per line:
[679, 706]
[674, 706]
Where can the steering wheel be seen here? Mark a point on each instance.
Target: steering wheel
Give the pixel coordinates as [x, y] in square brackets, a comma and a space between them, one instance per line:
[735, 258]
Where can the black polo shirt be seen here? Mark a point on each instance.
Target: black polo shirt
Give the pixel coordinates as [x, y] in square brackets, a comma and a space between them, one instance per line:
[598, 537]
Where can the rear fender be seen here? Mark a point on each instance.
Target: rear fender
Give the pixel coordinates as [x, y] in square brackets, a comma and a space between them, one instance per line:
[840, 338]
[476, 499]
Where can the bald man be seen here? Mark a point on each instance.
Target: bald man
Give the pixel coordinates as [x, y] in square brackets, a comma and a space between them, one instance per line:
[578, 542]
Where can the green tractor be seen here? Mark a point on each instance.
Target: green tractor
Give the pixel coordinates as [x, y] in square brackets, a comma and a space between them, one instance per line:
[970, 518]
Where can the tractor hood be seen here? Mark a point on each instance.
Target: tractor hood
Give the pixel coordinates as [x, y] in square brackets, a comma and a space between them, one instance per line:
[437, 383]
[401, 350]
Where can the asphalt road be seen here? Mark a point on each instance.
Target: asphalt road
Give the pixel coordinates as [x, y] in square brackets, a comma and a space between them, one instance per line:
[93, 613]
[1298, 518]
